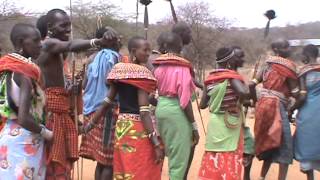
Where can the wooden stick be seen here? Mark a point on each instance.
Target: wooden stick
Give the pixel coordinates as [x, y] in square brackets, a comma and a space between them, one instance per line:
[198, 107]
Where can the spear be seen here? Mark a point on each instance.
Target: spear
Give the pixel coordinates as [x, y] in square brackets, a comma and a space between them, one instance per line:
[173, 12]
[270, 14]
[146, 16]
[137, 15]
[73, 98]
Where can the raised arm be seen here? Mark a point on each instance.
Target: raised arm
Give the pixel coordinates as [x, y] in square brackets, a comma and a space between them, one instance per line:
[205, 98]
[254, 82]
[241, 89]
[56, 46]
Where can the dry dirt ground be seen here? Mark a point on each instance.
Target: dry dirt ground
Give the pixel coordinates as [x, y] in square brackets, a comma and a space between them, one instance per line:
[293, 174]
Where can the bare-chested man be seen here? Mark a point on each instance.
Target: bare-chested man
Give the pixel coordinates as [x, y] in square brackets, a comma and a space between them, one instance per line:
[63, 151]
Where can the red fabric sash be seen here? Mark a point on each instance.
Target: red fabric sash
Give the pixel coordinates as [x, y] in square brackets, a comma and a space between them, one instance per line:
[283, 66]
[284, 71]
[14, 64]
[222, 74]
[144, 84]
[267, 127]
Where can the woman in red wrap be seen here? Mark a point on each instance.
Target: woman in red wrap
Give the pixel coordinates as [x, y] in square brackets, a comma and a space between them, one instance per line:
[273, 140]
[137, 153]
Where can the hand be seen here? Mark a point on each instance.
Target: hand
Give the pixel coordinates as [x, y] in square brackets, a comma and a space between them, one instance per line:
[159, 154]
[73, 89]
[200, 86]
[81, 129]
[195, 137]
[291, 118]
[87, 128]
[152, 100]
[109, 37]
[80, 74]
[46, 133]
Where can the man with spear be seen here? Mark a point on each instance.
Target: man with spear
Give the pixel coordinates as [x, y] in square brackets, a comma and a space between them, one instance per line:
[63, 151]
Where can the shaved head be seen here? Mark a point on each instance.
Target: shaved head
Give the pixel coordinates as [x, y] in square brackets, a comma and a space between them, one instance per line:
[169, 42]
[184, 31]
[281, 47]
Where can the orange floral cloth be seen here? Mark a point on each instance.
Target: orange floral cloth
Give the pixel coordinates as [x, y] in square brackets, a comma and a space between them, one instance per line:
[134, 156]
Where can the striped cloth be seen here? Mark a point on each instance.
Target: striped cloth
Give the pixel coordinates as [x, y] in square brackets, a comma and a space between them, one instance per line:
[230, 100]
[63, 150]
[92, 144]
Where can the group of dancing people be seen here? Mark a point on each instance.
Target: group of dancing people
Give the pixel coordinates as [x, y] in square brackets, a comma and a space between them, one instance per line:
[138, 108]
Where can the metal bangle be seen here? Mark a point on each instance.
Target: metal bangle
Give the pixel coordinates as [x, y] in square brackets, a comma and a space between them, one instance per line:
[107, 100]
[194, 126]
[303, 92]
[255, 81]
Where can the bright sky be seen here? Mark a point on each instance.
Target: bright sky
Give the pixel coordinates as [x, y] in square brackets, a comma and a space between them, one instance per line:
[244, 13]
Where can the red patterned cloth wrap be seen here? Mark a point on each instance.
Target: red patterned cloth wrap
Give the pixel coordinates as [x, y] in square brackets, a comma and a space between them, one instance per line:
[172, 59]
[134, 156]
[219, 75]
[19, 64]
[268, 126]
[16, 63]
[307, 68]
[63, 150]
[92, 146]
[222, 165]
[133, 74]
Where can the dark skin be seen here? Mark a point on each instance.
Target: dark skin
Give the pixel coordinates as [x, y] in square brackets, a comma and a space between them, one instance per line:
[238, 86]
[141, 53]
[31, 46]
[51, 57]
[280, 48]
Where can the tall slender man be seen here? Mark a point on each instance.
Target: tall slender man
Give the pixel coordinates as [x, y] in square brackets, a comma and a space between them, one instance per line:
[63, 150]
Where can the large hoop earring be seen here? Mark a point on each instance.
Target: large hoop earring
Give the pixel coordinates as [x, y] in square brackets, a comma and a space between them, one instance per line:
[50, 33]
[228, 66]
[20, 51]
